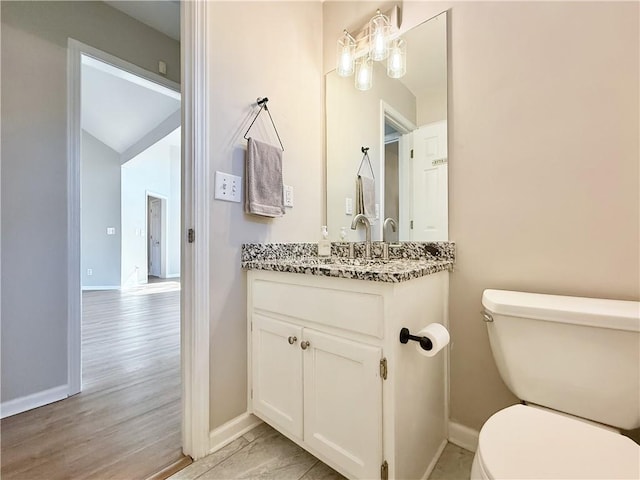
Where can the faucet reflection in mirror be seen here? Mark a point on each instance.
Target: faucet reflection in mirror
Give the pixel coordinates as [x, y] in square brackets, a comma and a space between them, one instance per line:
[378, 41]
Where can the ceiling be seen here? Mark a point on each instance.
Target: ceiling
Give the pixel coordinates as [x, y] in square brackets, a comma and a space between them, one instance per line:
[163, 15]
[119, 108]
[429, 45]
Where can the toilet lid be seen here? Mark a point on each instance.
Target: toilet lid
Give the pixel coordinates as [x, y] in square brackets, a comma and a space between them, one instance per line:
[528, 442]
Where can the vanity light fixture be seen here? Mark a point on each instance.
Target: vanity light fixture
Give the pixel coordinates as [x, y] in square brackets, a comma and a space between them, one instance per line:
[378, 41]
[364, 73]
[346, 55]
[397, 61]
[379, 36]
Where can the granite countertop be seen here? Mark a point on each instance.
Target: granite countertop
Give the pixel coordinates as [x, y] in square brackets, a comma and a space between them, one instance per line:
[407, 261]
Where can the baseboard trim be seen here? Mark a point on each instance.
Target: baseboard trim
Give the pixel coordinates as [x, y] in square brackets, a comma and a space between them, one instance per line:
[173, 275]
[464, 437]
[100, 287]
[35, 400]
[434, 461]
[228, 432]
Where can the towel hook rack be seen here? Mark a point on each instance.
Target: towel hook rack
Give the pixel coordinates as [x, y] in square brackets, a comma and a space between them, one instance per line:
[365, 156]
[262, 103]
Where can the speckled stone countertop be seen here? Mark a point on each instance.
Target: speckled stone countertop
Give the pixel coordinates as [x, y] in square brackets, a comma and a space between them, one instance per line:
[407, 260]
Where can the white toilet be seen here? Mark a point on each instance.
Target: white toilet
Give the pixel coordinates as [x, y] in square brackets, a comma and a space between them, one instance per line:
[575, 364]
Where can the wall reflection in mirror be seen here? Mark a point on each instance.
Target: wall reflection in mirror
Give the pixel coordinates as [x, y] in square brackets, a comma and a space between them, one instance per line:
[404, 124]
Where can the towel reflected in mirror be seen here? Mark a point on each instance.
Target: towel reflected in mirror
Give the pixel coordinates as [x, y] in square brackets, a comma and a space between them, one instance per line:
[366, 196]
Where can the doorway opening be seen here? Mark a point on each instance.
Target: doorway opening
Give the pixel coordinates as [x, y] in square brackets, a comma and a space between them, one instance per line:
[129, 226]
[156, 240]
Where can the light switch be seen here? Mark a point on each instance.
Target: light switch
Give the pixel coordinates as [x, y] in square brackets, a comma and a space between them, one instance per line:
[228, 187]
[111, 230]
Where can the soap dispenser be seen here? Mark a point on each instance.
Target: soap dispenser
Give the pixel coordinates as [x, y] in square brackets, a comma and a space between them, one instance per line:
[324, 245]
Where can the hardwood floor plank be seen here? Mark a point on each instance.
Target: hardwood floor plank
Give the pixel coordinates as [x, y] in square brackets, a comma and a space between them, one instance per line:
[126, 422]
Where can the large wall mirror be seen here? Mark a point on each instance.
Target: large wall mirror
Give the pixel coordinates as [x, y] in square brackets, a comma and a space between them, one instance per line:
[403, 122]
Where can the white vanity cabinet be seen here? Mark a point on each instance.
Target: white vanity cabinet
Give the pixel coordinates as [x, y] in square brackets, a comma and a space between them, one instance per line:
[319, 349]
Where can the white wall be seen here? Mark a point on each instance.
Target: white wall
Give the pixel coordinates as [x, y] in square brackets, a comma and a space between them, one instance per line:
[174, 236]
[34, 172]
[100, 183]
[543, 172]
[154, 171]
[271, 49]
[432, 106]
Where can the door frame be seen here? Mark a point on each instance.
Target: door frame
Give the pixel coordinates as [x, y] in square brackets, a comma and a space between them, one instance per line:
[194, 307]
[75, 51]
[404, 126]
[163, 231]
[195, 257]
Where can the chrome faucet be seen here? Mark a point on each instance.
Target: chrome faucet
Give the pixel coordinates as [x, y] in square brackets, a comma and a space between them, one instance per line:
[394, 227]
[360, 218]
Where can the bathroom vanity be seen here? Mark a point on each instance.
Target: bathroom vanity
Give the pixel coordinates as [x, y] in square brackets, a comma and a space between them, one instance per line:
[326, 367]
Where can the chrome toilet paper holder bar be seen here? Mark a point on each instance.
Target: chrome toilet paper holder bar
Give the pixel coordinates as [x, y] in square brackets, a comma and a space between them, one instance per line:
[405, 336]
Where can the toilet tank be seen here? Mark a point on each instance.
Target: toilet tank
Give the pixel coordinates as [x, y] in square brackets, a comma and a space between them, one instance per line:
[576, 355]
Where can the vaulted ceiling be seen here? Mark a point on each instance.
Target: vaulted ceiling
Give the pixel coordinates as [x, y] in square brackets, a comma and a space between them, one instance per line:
[119, 108]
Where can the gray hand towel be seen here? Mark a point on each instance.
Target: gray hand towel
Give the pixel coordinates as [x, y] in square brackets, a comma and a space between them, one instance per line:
[264, 192]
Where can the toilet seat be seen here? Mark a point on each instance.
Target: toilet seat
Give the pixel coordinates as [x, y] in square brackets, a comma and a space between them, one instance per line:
[528, 442]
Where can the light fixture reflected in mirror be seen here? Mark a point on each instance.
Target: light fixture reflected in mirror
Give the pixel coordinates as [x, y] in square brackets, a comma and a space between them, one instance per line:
[379, 37]
[377, 41]
[364, 73]
[346, 55]
[397, 61]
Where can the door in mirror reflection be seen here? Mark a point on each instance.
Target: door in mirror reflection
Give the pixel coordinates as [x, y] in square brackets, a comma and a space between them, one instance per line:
[428, 199]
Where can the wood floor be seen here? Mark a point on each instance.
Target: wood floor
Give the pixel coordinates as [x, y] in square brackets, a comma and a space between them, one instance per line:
[126, 422]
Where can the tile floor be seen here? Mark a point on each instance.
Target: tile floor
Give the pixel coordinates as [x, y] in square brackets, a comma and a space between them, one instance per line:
[266, 454]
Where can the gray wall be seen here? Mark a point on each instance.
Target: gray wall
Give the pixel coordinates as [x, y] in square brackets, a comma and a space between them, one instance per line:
[34, 172]
[543, 172]
[100, 209]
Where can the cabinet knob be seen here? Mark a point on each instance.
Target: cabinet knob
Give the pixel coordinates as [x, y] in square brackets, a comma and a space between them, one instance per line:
[304, 345]
[292, 340]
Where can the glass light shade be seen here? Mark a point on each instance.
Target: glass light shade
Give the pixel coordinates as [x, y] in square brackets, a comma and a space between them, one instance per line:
[364, 73]
[397, 61]
[346, 55]
[379, 30]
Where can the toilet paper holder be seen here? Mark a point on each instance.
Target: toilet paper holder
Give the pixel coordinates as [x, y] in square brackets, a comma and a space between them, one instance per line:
[405, 336]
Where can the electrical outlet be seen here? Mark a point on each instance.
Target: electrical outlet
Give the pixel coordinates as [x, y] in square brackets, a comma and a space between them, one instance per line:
[228, 187]
[89, 272]
[288, 196]
[111, 230]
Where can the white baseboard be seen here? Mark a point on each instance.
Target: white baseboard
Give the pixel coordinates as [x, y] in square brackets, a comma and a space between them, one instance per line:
[435, 459]
[173, 275]
[35, 400]
[227, 433]
[464, 437]
[100, 287]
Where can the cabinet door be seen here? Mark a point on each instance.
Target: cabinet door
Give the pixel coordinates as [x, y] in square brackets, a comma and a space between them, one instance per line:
[343, 402]
[277, 373]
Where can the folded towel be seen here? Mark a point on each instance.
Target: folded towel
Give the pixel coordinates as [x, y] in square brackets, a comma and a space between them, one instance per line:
[366, 196]
[264, 192]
